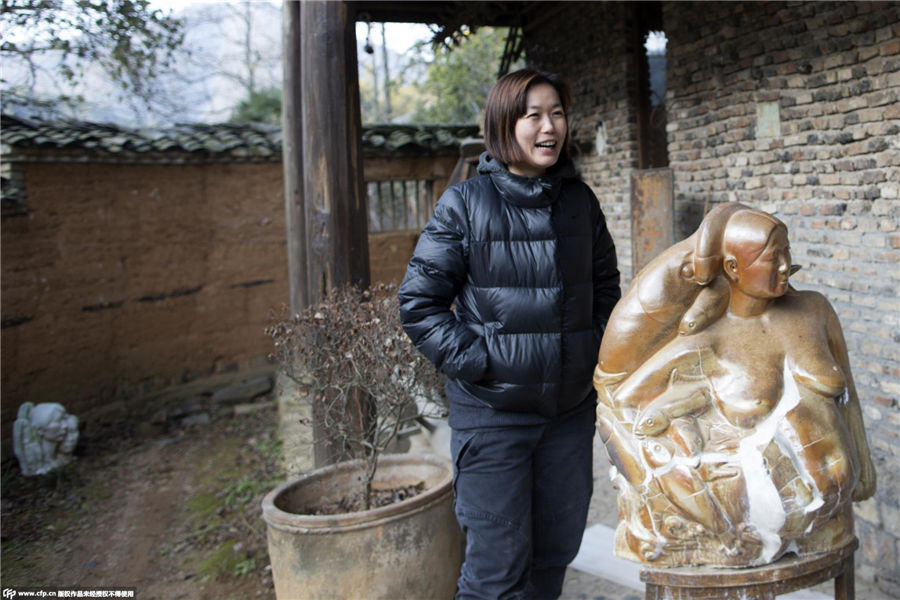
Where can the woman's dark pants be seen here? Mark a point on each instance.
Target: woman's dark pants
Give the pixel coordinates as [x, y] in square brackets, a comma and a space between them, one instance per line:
[521, 497]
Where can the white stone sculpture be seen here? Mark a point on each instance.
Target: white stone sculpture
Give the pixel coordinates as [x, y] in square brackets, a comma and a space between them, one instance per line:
[44, 437]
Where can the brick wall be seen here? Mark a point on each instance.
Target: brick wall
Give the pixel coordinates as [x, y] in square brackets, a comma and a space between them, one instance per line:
[601, 92]
[793, 108]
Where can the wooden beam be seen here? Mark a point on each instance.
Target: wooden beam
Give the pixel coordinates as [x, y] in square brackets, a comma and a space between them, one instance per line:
[443, 12]
[399, 169]
[404, 11]
[641, 83]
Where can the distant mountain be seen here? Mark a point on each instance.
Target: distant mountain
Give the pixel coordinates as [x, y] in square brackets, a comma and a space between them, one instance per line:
[209, 77]
[212, 73]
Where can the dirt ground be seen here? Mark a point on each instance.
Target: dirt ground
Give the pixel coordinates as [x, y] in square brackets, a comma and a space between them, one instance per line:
[172, 512]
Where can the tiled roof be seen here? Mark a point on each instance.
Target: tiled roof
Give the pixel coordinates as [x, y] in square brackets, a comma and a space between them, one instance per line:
[390, 140]
[81, 140]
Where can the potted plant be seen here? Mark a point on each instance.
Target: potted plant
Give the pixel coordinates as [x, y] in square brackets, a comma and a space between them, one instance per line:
[372, 524]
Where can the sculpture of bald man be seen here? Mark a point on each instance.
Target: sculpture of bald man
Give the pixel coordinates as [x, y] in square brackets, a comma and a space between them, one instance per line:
[727, 404]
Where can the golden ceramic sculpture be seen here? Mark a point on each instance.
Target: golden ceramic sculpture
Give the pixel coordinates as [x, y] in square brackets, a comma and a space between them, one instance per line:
[727, 405]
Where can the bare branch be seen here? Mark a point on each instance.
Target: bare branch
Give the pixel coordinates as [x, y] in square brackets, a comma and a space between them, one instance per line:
[352, 347]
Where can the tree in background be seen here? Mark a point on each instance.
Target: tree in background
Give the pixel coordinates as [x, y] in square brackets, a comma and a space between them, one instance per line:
[121, 61]
[235, 61]
[459, 79]
[387, 79]
[448, 85]
[57, 40]
[263, 106]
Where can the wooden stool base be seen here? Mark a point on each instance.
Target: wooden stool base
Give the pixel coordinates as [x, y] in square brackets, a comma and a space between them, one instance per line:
[757, 583]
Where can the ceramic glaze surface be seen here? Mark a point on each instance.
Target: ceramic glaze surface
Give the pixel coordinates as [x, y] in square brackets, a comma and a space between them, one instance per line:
[727, 404]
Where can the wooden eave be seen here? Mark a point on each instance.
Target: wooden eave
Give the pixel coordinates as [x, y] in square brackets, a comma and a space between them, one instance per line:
[444, 13]
[449, 19]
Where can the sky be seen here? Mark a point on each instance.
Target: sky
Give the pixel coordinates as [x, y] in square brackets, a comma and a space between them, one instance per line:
[204, 88]
[400, 36]
[213, 99]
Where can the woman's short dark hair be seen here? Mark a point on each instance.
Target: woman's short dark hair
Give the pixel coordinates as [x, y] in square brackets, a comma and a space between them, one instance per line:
[506, 102]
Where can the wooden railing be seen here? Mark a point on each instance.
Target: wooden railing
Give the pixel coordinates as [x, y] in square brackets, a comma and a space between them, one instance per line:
[399, 205]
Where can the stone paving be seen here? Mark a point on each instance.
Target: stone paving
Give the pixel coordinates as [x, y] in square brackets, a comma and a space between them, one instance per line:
[585, 586]
[579, 585]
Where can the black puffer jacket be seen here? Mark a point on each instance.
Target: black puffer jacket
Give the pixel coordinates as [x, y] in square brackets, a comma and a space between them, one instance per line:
[532, 268]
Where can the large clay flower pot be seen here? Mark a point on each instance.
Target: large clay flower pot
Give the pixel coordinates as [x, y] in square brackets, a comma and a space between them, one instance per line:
[409, 549]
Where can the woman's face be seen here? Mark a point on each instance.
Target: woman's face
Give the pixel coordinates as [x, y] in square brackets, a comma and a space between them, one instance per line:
[765, 275]
[540, 132]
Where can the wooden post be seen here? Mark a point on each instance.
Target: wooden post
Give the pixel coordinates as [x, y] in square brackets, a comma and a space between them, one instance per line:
[652, 221]
[326, 209]
[292, 157]
[327, 231]
[336, 229]
[641, 86]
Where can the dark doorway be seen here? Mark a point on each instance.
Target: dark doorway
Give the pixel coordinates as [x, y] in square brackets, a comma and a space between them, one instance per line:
[650, 51]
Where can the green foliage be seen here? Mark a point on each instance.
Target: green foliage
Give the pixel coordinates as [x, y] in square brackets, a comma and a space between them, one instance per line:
[244, 567]
[404, 75]
[452, 89]
[262, 106]
[126, 38]
[243, 491]
[459, 78]
[224, 562]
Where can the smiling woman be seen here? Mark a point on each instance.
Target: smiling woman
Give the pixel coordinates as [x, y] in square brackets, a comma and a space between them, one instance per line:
[525, 123]
[540, 132]
[523, 253]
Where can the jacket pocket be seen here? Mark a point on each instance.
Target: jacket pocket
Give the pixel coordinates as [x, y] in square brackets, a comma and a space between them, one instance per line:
[492, 344]
[460, 443]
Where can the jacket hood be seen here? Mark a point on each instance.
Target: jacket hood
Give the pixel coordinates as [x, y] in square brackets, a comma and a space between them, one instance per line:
[531, 192]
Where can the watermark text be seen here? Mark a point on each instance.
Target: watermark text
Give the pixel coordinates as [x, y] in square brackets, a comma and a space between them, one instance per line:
[9, 593]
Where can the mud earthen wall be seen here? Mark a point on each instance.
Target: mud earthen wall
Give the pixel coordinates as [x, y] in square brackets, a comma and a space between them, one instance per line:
[122, 279]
